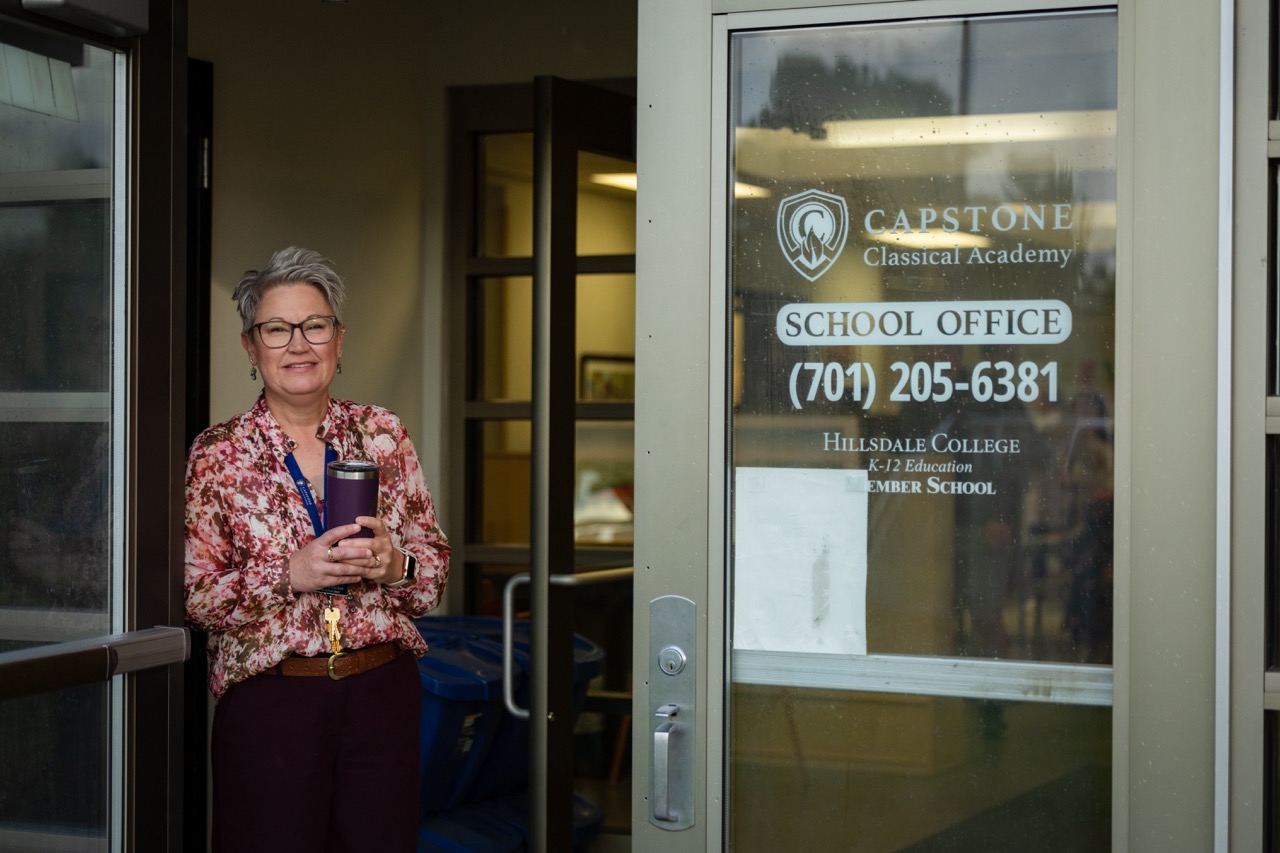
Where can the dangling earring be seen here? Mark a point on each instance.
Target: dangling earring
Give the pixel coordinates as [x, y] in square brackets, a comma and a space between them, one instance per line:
[253, 372]
[339, 366]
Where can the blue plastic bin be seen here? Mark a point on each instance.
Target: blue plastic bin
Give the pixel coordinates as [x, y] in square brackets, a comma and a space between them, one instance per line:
[482, 627]
[461, 715]
[507, 769]
[588, 658]
[504, 768]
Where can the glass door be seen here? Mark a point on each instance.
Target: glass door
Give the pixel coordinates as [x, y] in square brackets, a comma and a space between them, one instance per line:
[61, 428]
[876, 595]
[90, 611]
[544, 287]
[921, 320]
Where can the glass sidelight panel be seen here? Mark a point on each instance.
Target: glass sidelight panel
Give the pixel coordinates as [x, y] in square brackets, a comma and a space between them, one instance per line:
[61, 429]
[922, 266]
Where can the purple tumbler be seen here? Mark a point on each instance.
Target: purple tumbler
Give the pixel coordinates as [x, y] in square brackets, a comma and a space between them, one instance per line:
[350, 489]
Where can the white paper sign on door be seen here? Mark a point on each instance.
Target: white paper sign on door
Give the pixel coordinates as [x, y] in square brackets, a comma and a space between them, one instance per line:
[800, 560]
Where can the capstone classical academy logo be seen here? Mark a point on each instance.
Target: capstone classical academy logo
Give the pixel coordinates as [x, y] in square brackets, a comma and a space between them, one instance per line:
[812, 227]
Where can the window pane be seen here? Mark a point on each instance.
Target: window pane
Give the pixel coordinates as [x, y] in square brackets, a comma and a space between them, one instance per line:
[56, 532]
[504, 482]
[1271, 770]
[606, 337]
[502, 351]
[879, 772]
[606, 200]
[606, 205]
[1273, 555]
[603, 482]
[56, 359]
[605, 334]
[604, 494]
[923, 281]
[505, 216]
[485, 583]
[1273, 365]
[922, 269]
[56, 773]
[56, 329]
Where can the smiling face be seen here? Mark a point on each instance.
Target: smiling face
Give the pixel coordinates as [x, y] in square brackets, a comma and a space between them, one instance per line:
[299, 373]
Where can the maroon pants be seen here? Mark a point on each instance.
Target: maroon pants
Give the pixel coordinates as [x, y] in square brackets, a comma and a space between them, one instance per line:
[311, 764]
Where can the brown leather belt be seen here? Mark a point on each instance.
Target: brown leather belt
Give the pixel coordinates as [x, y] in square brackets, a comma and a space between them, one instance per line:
[340, 665]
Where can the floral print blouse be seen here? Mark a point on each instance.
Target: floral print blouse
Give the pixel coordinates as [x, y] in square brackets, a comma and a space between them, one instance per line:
[244, 517]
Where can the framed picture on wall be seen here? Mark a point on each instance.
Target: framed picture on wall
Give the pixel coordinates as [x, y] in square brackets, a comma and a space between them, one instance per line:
[608, 377]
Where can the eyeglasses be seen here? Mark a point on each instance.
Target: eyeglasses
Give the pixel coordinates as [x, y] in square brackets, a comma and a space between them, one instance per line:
[276, 334]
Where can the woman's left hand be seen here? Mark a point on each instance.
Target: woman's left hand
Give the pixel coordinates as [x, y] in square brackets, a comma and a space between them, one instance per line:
[382, 563]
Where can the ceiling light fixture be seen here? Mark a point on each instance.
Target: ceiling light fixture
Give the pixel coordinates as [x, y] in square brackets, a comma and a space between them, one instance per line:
[971, 129]
[627, 181]
[617, 180]
[932, 240]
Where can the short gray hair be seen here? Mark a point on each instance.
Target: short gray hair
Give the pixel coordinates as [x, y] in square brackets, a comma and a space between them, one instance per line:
[288, 266]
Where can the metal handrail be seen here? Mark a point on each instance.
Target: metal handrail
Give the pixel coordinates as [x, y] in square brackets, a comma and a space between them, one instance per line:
[60, 665]
[508, 621]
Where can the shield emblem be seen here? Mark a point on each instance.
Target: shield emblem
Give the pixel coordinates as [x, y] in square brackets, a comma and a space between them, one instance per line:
[812, 227]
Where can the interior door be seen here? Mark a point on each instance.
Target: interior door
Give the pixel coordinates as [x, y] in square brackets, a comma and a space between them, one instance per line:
[91, 615]
[873, 601]
[544, 287]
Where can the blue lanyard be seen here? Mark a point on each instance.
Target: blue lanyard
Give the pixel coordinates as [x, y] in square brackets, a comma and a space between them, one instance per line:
[308, 500]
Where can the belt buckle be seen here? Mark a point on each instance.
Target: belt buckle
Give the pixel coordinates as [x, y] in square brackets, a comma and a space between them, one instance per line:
[333, 659]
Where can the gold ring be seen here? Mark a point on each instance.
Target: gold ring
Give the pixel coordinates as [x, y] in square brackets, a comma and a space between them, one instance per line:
[328, 555]
[377, 561]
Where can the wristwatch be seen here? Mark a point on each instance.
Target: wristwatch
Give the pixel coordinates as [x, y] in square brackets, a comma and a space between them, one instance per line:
[410, 570]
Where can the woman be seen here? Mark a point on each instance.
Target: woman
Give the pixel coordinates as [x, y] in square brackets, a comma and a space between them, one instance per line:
[315, 730]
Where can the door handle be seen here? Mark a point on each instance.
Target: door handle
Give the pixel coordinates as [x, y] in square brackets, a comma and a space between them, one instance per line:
[58, 666]
[663, 736]
[508, 622]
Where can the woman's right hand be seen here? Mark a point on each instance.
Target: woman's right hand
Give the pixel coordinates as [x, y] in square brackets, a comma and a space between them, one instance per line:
[319, 564]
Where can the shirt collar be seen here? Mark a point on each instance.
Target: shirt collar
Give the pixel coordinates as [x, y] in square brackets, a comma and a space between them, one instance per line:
[330, 430]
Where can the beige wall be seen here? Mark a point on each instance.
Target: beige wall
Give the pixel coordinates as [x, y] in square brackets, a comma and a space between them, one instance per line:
[329, 132]
[317, 142]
